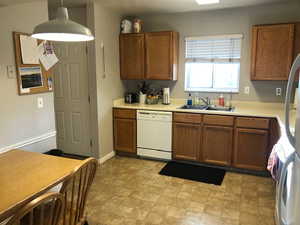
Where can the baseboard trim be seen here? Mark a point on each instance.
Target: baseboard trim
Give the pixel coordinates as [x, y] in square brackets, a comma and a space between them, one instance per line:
[106, 157]
[29, 141]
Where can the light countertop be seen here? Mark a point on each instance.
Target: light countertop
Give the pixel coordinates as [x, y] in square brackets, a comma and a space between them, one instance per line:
[242, 108]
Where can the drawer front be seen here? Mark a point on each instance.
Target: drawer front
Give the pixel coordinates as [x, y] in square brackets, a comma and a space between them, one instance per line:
[187, 117]
[125, 113]
[218, 120]
[252, 122]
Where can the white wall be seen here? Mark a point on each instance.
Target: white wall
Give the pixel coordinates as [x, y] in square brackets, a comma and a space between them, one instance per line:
[104, 89]
[109, 87]
[228, 21]
[20, 119]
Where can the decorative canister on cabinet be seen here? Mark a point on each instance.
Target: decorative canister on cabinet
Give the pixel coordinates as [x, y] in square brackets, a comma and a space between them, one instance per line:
[137, 25]
[126, 26]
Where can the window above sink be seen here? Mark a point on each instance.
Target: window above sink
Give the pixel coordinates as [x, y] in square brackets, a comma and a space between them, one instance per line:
[212, 64]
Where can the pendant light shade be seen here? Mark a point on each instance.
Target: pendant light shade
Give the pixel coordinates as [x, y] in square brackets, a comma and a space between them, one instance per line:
[62, 29]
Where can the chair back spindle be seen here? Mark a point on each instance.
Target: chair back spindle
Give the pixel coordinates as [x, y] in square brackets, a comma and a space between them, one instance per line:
[75, 191]
[44, 210]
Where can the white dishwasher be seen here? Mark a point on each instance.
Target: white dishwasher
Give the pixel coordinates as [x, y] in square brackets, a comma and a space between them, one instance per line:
[154, 134]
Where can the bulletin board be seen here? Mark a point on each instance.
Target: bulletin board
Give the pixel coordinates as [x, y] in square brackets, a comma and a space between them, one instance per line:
[30, 83]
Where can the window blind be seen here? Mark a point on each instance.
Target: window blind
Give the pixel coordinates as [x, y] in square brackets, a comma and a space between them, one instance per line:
[214, 49]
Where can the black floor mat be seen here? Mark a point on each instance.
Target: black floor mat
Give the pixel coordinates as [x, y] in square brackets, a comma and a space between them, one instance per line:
[60, 153]
[194, 172]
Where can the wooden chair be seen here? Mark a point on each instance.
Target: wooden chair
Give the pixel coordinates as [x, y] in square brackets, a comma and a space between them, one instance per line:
[75, 191]
[44, 210]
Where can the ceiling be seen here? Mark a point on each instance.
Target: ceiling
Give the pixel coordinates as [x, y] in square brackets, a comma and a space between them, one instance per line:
[171, 6]
[154, 6]
[13, 2]
[52, 3]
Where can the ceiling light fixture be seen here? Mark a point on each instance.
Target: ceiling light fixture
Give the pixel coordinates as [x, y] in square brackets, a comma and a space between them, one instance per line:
[62, 29]
[207, 2]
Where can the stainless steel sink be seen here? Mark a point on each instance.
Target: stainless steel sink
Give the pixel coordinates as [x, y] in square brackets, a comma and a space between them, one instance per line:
[208, 107]
[199, 107]
[220, 108]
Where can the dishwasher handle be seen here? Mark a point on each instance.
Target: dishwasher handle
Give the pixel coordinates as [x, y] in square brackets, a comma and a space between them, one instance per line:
[154, 115]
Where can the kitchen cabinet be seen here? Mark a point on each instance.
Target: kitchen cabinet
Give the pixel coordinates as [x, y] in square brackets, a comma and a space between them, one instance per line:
[217, 145]
[252, 122]
[186, 141]
[150, 56]
[272, 51]
[251, 143]
[251, 149]
[132, 53]
[224, 140]
[161, 55]
[125, 131]
[241, 142]
[193, 118]
[217, 139]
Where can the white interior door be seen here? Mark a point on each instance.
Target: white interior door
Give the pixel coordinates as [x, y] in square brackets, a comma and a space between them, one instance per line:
[72, 99]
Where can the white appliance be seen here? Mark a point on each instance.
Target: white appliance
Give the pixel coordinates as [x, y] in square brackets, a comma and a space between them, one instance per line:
[154, 134]
[288, 188]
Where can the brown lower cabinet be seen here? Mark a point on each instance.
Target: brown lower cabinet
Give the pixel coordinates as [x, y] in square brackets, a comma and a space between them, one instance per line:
[240, 142]
[125, 131]
[251, 149]
[186, 141]
[217, 145]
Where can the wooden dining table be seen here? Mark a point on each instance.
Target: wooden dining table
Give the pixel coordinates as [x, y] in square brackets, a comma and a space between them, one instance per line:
[25, 175]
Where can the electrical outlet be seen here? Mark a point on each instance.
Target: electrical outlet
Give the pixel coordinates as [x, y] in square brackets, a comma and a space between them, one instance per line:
[40, 103]
[247, 90]
[278, 91]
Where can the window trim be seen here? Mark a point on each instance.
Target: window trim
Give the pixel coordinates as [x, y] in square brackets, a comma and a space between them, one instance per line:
[187, 60]
[213, 37]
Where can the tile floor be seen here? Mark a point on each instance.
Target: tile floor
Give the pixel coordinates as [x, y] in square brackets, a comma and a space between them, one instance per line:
[130, 191]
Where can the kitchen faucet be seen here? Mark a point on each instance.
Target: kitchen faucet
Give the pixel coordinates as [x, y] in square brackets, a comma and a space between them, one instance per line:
[205, 100]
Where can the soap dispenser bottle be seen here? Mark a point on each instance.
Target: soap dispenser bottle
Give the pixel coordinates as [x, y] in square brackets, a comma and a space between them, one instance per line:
[221, 100]
[190, 100]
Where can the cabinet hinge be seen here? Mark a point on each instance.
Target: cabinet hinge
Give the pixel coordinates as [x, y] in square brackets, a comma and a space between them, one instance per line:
[89, 99]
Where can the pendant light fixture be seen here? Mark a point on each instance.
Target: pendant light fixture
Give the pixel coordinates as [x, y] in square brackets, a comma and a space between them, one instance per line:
[62, 29]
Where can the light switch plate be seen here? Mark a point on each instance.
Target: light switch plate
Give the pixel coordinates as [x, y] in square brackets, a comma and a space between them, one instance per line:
[11, 72]
[40, 103]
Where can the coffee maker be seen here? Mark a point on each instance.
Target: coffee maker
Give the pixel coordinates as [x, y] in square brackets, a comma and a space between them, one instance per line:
[131, 98]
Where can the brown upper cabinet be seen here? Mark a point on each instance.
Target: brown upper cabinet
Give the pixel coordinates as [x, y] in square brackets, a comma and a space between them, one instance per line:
[132, 54]
[272, 51]
[152, 56]
[161, 55]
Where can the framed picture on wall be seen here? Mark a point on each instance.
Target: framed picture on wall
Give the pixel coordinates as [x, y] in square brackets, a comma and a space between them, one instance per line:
[32, 77]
